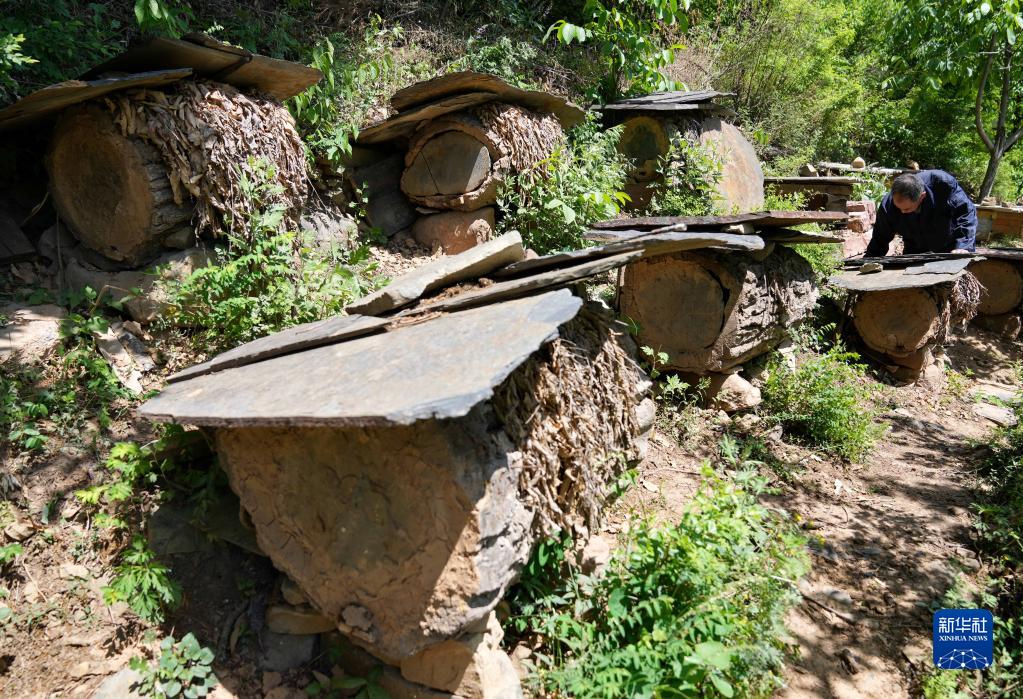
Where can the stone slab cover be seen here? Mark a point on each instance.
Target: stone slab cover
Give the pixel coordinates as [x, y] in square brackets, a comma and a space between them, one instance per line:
[742, 180]
[441, 368]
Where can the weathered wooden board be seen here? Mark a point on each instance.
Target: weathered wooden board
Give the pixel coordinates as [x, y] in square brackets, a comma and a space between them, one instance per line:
[53, 98]
[470, 81]
[402, 125]
[14, 246]
[449, 269]
[216, 60]
[785, 235]
[438, 369]
[765, 219]
[515, 288]
[890, 279]
[900, 261]
[822, 180]
[680, 99]
[648, 244]
[300, 337]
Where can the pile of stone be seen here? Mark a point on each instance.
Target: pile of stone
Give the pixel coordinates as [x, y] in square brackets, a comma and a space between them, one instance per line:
[862, 217]
[400, 462]
[436, 165]
[712, 311]
[653, 123]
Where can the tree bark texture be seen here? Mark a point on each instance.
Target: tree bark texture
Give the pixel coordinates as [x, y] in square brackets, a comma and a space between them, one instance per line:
[711, 311]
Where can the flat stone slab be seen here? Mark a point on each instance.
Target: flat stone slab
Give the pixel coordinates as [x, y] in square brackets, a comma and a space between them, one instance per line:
[758, 219]
[294, 339]
[784, 235]
[437, 369]
[474, 262]
[648, 244]
[515, 288]
[889, 279]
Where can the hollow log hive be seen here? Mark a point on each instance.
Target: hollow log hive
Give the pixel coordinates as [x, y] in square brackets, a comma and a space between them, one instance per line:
[651, 124]
[437, 164]
[400, 462]
[905, 312]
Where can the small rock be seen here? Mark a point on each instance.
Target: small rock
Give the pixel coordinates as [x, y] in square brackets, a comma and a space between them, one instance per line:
[858, 163]
[270, 680]
[285, 693]
[732, 393]
[31, 592]
[971, 564]
[180, 239]
[871, 551]
[849, 660]
[73, 570]
[119, 686]
[1002, 417]
[32, 333]
[455, 231]
[285, 652]
[19, 531]
[595, 555]
[839, 597]
[297, 621]
[291, 592]
[84, 669]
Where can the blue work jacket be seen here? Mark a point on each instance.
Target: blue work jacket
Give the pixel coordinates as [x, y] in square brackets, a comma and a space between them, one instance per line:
[945, 221]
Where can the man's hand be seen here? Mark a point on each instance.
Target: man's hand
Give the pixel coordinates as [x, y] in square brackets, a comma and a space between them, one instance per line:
[961, 251]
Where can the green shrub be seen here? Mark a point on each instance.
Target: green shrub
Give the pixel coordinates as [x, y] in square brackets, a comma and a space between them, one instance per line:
[828, 401]
[693, 609]
[691, 173]
[553, 203]
[184, 669]
[261, 283]
[826, 259]
[143, 583]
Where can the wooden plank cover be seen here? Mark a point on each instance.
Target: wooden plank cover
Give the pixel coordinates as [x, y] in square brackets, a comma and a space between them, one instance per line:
[214, 59]
[649, 245]
[768, 219]
[402, 125]
[53, 98]
[464, 81]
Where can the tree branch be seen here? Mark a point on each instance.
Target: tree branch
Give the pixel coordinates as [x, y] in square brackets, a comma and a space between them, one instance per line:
[1003, 102]
[978, 114]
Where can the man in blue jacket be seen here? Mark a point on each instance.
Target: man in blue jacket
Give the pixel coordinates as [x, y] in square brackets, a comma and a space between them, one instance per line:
[930, 211]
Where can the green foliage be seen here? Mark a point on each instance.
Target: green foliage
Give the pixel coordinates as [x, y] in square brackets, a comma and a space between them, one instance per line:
[690, 174]
[260, 283]
[143, 583]
[328, 114]
[9, 552]
[826, 259]
[694, 609]
[827, 400]
[506, 57]
[162, 16]
[553, 203]
[624, 34]
[184, 669]
[38, 402]
[367, 687]
[11, 57]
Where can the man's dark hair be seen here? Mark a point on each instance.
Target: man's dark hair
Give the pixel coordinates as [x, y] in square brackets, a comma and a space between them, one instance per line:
[908, 186]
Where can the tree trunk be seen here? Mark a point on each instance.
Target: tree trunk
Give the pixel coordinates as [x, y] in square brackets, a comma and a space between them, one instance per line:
[1001, 286]
[989, 177]
[712, 311]
[458, 161]
[111, 189]
[897, 322]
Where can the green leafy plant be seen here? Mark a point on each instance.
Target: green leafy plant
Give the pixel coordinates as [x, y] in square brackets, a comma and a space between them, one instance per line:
[694, 609]
[827, 401]
[144, 583]
[184, 669]
[690, 173]
[11, 57]
[328, 113]
[367, 687]
[553, 203]
[624, 35]
[164, 16]
[262, 282]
